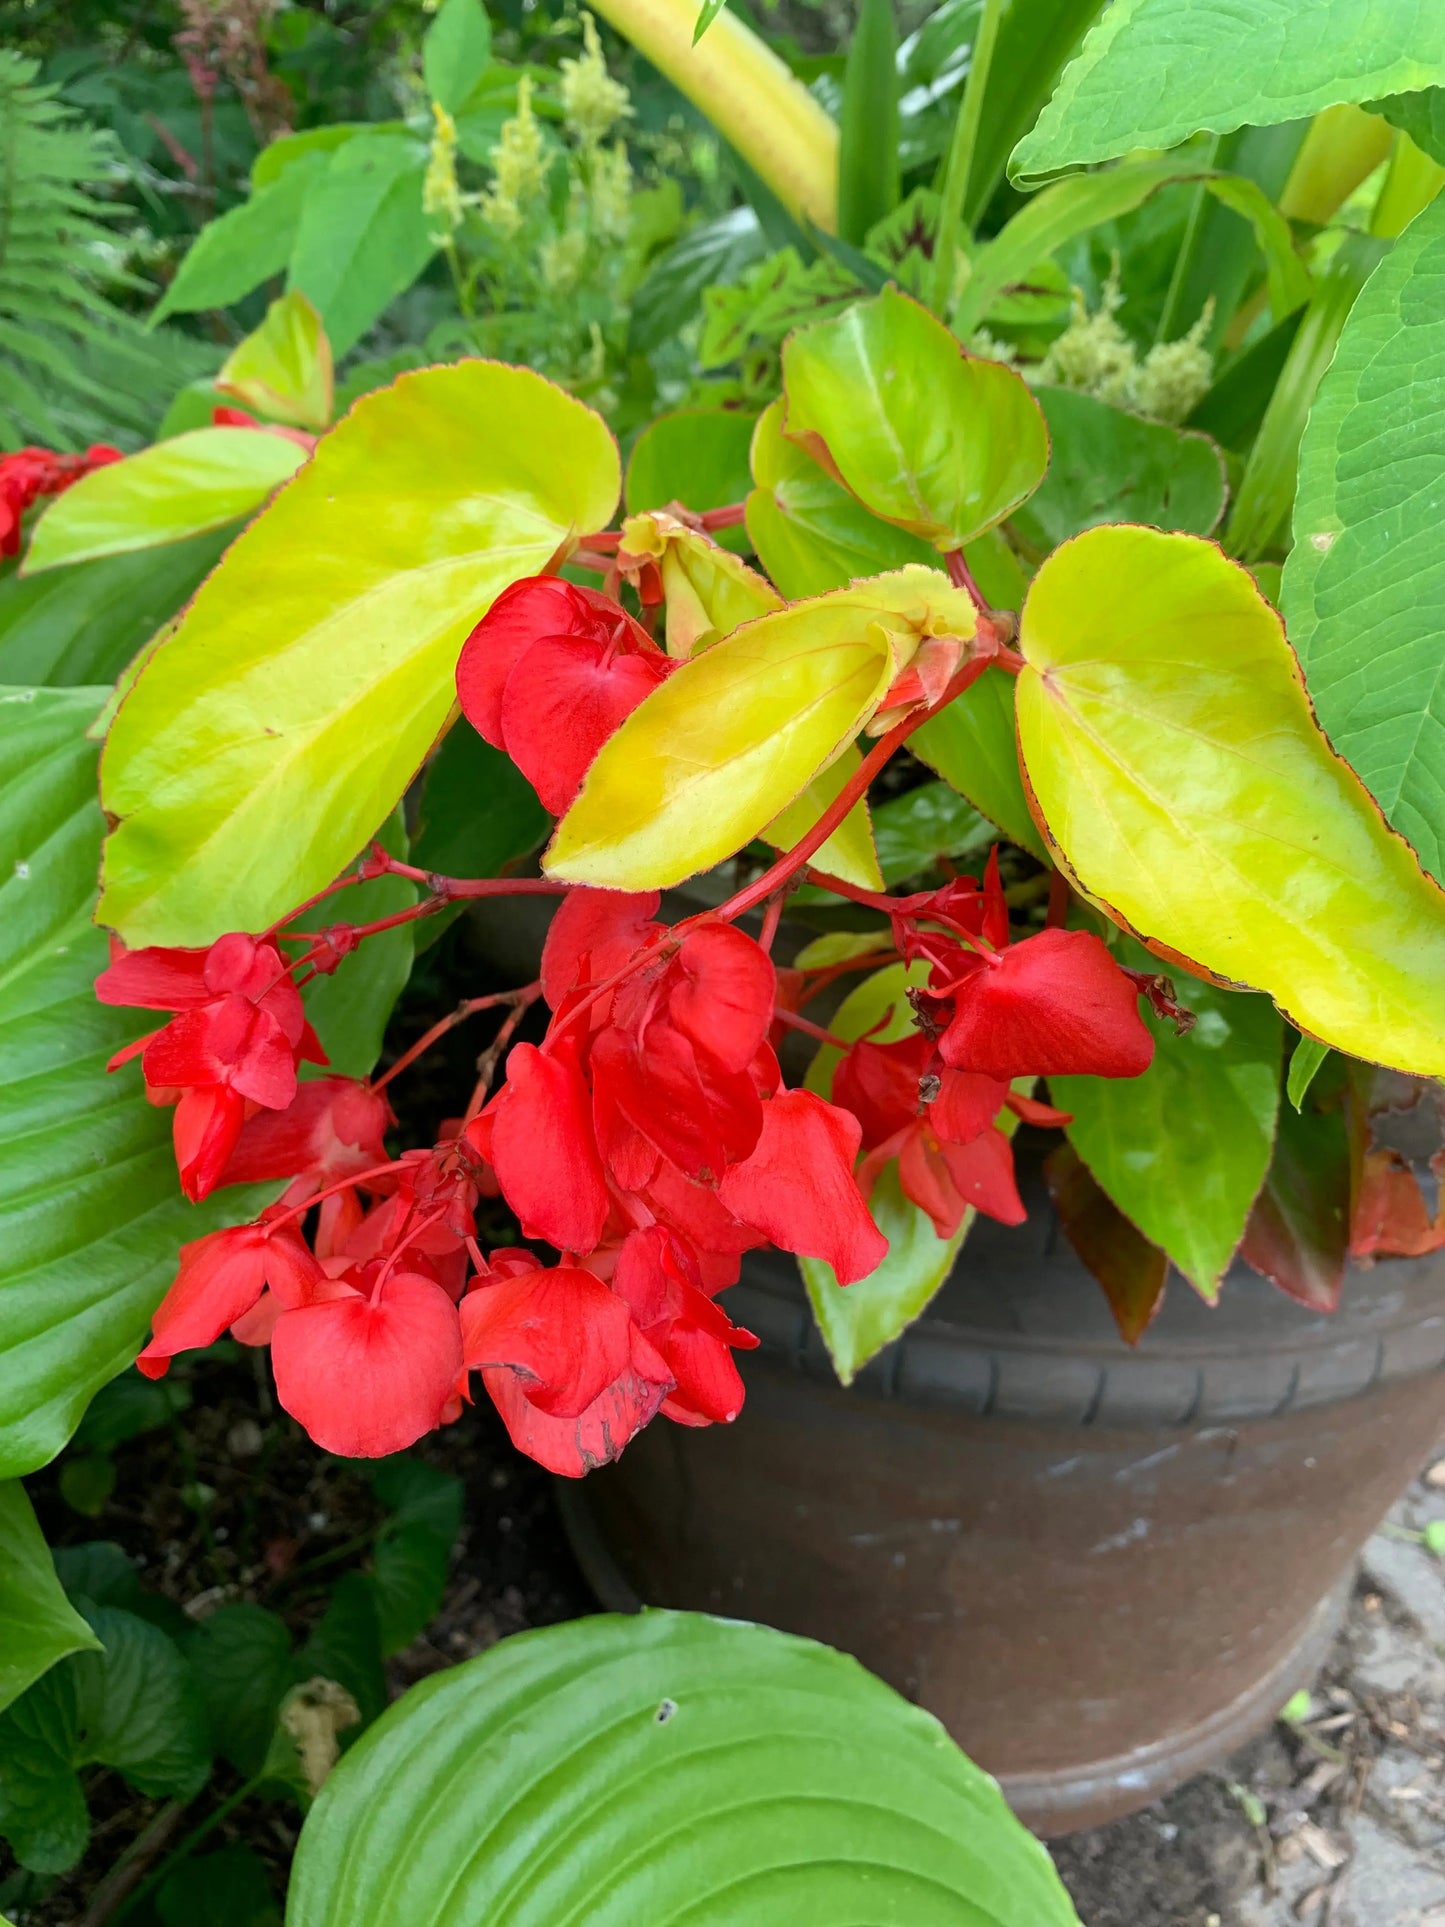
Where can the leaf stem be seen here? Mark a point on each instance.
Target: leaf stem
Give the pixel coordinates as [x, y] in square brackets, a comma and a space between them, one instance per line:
[960, 157]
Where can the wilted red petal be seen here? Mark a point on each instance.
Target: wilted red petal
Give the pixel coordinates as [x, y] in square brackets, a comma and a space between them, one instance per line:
[220, 1277]
[205, 1129]
[693, 1335]
[561, 1330]
[331, 1128]
[722, 993]
[543, 1151]
[598, 928]
[571, 1447]
[368, 1376]
[798, 1186]
[538, 605]
[1055, 1003]
[564, 698]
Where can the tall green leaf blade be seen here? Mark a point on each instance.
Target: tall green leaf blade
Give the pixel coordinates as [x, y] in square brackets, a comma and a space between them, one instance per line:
[1182, 1150]
[362, 237]
[1035, 39]
[267, 738]
[868, 181]
[38, 1624]
[1364, 586]
[244, 246]
[491, 1792]
[1153, 72]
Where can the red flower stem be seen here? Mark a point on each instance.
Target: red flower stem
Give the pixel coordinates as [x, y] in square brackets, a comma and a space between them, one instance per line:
[591, 559]
[772, 917]
[728, 517]
[808, 1028]
[491, 1056]
[818, 981]
[961, 576]
[341, 883]
[341, 1184]
[1060, 897]
[466, 1009]
[457, 889]
[600, 539]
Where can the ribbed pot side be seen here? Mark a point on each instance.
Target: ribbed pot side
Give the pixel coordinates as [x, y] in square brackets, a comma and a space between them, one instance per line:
[1101, 1569]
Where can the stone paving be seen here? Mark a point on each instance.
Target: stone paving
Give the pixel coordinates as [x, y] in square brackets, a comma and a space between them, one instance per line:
[1336, 1820]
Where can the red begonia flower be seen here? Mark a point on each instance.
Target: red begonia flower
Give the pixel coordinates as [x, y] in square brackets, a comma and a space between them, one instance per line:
[591, 937]
[29, 473]
[945, 1179]
[798, 1187]
[1054, 1004]
[540, 1145]
[333, 1127]
[368, 1371]
[538, 605]
[220, 1278]
[676, 1096]
[205, 1130]
[692, 1335]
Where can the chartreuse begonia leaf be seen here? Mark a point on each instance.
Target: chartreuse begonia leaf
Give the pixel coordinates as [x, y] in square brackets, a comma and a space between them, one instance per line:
[670, 1768]
[284, 369]
[173, 489]
[709, 590]
[858, 1320]
[1364, 586]
[39, 1623]
[265, 740]
[939, 442]
[1173, 756]
[1153, 72]
[1182, 1150]
[738, 733]
[849, 852]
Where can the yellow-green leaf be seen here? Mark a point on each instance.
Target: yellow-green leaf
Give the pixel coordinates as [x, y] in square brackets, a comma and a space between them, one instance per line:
[284, 369]
[174, 489]
[849, 852]
[265, 740]
[1175, 761]
[937, 441]
[709, 590]
[736, 734]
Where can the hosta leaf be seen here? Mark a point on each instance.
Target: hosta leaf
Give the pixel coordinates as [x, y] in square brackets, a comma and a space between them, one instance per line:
[1182, 1150]
[848, 852]
[1111, 466]
[491, 1792]
[1155, 71]
[193, 482]
[282, 721]
[363, 237]
[41, 1626]
[84, 624]
[284, 369]
[1172, 753]
[736, 734]
[699, 457]
[709, 590]
[936, 441]
[1364, 587]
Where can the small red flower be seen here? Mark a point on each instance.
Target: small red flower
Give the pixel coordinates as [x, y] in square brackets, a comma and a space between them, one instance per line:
[30, 473]
[221, 1278]
[695, 1338]
[549, 673]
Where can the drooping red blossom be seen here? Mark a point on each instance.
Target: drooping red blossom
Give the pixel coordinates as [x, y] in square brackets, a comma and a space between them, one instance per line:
[231, 1050]
[798, 1187]
[221, 1278]
[660, 1284]
[29, 473]
[332, 1128]
[549, 673]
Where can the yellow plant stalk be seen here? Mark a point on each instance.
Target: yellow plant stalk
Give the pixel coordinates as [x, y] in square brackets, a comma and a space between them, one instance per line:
[747, 93]
[1343, 146]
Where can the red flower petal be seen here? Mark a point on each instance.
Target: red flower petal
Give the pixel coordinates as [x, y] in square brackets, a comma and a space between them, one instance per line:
[543, 1151]
[154, 979]
[332, 1128]
[798, 1186]
[564, 698]
[205, 1129]
[368, 1376]
[595, 929]
[539, 605]
[878, 1083]
[983, 1171]
[697, 1114]
[564, 1333]
[571, 1447]
[967, 1103]
[1055, 1003]
[722, 992]
[220, 1277]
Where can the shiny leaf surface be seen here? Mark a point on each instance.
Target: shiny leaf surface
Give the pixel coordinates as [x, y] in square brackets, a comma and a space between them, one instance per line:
[737, 733]
[1171, 751]
[697, 1718]
[253, 758]
[936, 441]
[41, 1625]
[194, 482]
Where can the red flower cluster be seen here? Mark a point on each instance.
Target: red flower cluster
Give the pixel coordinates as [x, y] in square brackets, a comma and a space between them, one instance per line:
[992, 1010]
[32, 472]
[549, 673]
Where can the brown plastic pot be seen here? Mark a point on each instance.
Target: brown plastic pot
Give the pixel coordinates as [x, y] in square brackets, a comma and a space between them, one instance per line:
[1102, 1569]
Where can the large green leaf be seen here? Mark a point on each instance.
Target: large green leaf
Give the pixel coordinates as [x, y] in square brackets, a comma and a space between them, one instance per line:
[670, 1768]
[84, 624]
[1111, 466]
[282, 721]
[202, 480]
[911, 832]
[1183, 1149]
[1421, 116]
[131, 1705]
[1364, 586]
[362, 238]
[246, 245]
[455, 52]
[936, 441]
[734, 735]
[40, 1624]
[1173, 755]
[1155, 71]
